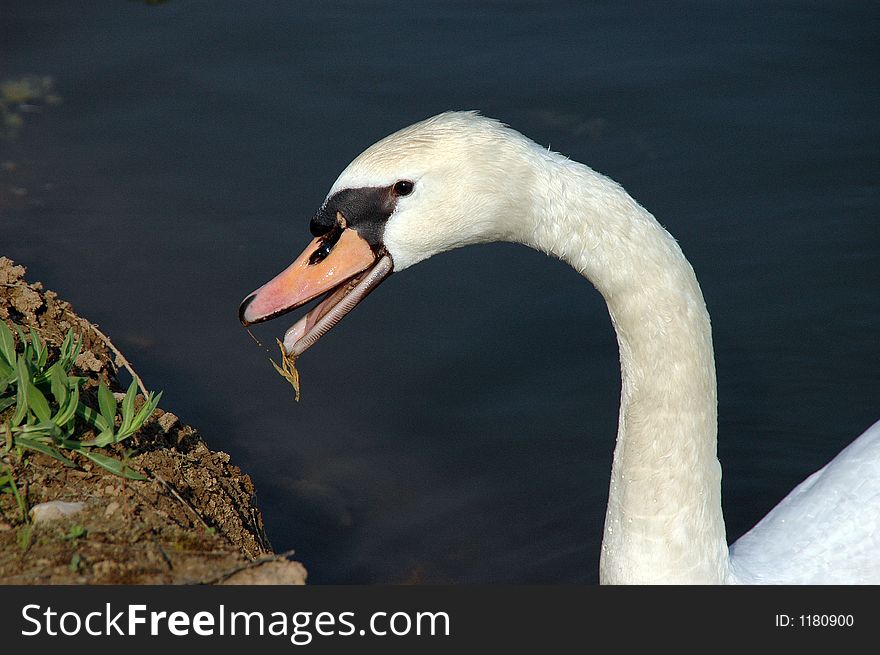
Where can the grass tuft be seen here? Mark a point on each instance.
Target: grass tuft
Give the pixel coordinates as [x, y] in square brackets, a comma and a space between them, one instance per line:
[44, 403]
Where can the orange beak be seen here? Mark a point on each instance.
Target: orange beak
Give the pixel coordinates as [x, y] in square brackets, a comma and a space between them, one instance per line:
[346, 271]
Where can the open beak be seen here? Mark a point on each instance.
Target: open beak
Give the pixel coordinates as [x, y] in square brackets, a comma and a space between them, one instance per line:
[340, 264]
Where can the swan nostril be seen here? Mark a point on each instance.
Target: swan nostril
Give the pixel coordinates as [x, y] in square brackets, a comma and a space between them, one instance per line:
[320, 254]
[242, 308]
[326, 245]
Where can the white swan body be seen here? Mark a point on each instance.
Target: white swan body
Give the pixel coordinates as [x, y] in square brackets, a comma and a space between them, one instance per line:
[826, 531]
[458, 179]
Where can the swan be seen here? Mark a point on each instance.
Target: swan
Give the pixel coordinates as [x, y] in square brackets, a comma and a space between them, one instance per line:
[460, 178]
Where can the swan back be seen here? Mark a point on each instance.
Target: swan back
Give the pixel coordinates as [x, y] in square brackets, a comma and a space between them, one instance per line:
[826, 531]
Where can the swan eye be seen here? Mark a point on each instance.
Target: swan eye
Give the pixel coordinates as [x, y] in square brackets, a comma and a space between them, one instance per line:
[403, 188]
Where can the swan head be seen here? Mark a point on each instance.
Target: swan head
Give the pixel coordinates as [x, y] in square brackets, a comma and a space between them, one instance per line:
[455, 179]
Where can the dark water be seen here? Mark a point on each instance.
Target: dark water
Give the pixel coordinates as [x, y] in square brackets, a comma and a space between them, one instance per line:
[434, 442]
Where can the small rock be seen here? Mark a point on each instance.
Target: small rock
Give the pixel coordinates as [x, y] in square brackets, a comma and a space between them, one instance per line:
[26, 300]
[270, 573]
[9, 271]
[112, 508]
[88, 361]
[167, 421]
[54, 510]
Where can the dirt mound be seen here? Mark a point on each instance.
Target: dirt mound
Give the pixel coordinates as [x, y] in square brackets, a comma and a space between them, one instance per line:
[193, 520]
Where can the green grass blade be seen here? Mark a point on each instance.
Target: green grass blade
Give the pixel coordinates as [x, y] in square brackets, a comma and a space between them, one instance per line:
[5, 381]
[106, 438]
[40, 447]
[91, 417]
[76, 351]
[68, 410]
[41, 350]
[58, 384]
[5, 367]
[12, 487]
[66, 346]
[7, 344]
[8, 401]
[41, 430]
[106, 403]
[113, 465]
[69, 351]
[141, 417]
[38, 404]
[128, 408]
[21, 393]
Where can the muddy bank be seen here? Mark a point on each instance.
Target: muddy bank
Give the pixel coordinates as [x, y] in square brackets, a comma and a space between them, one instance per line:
[193, 520]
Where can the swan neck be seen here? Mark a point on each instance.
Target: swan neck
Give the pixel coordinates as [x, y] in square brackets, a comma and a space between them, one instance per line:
[663, 523]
